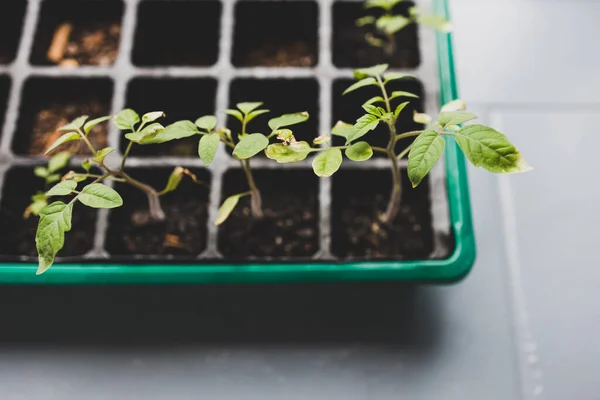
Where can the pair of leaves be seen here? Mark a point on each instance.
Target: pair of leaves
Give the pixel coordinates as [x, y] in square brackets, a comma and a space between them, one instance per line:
[74, 130]
[483, 146]
[329, 161]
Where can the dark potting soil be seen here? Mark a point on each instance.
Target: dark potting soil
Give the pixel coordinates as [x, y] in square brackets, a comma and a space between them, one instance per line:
[177, 33]
[179, 99]
[93, 38]
[13, 14]
[49, 103]
[132, 231]
[290, 226]
[358, 201]
[351, 50]
[294, 45]
[17, 234]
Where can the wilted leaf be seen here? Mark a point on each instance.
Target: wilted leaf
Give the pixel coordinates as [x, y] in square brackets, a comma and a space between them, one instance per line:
[362, 83]
[67, 137]
[126, 119]
[490, 149]
[426, 150]
[207, 147]
[98, 195]
[147, 134]
[152, 116]
[92, 123]
[174, 180]
[293, 152]
[62, 188]
[327, 163]
[227, 207]
[287, 120]
[359, 151]
[250, 145]
[207, 122]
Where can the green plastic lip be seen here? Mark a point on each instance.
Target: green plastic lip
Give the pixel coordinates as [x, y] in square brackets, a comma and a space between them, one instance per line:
[448, 270]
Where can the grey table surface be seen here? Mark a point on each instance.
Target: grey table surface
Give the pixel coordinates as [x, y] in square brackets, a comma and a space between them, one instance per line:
[523, 325]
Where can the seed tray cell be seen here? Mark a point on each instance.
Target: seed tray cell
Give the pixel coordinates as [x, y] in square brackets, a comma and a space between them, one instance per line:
[195, 57]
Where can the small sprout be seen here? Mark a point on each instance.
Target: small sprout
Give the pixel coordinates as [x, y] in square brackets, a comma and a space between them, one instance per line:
[387, 25]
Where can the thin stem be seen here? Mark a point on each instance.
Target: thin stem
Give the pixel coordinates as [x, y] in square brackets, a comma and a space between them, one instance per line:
[404, 152]
[112, 178]
[394, 201]
[127, 150]
[255, 200]
[156, 210]
[407, 134]
[87, 141]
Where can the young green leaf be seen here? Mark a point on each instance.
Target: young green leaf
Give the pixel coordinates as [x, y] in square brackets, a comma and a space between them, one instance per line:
[207, 147]
[58, 161]
[342, 129]
[86, 165]
[287, 120]
[235, 113]
[362, 83]
[41, 172]
[98, 195]
[250, 145]
[67, 137]
[374, 110]
[74, 125]
[62, 188]
[374, 71]
[227, 207]
[426, 150]
[387, 5]
[400, 93]
[174, 180]
[282, 153]
[391, 76]
[327, 163]
[152, 116]
[39, 201]
[251, 115]
[246, 108]
[126, 119]
[325, 138]
[399, 109]
[390, 24]
[101, 154]
[374, 41]
[177, 130]
[367, 20]
[55, 220]
[455, 118]
[92, 123]
[207, 122]
[363, 125]
[52, 178]
[147, 134]
[490, 149]
[359, 151]
[437, 22]
[372, 100]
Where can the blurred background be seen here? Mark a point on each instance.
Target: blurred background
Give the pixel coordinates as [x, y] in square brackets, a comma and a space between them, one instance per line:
[523, 325]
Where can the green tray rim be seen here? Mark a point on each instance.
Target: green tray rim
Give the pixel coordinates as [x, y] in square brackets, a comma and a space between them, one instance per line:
[449, 270]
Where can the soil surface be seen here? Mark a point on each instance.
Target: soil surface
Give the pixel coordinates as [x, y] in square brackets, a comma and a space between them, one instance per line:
[290, 227]
[351, 50]
[17, 234]
[132, 231]
[357, 232]
[48, 120]
[97, 44]
[296, 54]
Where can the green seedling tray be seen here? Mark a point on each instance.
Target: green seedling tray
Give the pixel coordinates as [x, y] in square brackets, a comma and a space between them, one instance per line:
[448, 270]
